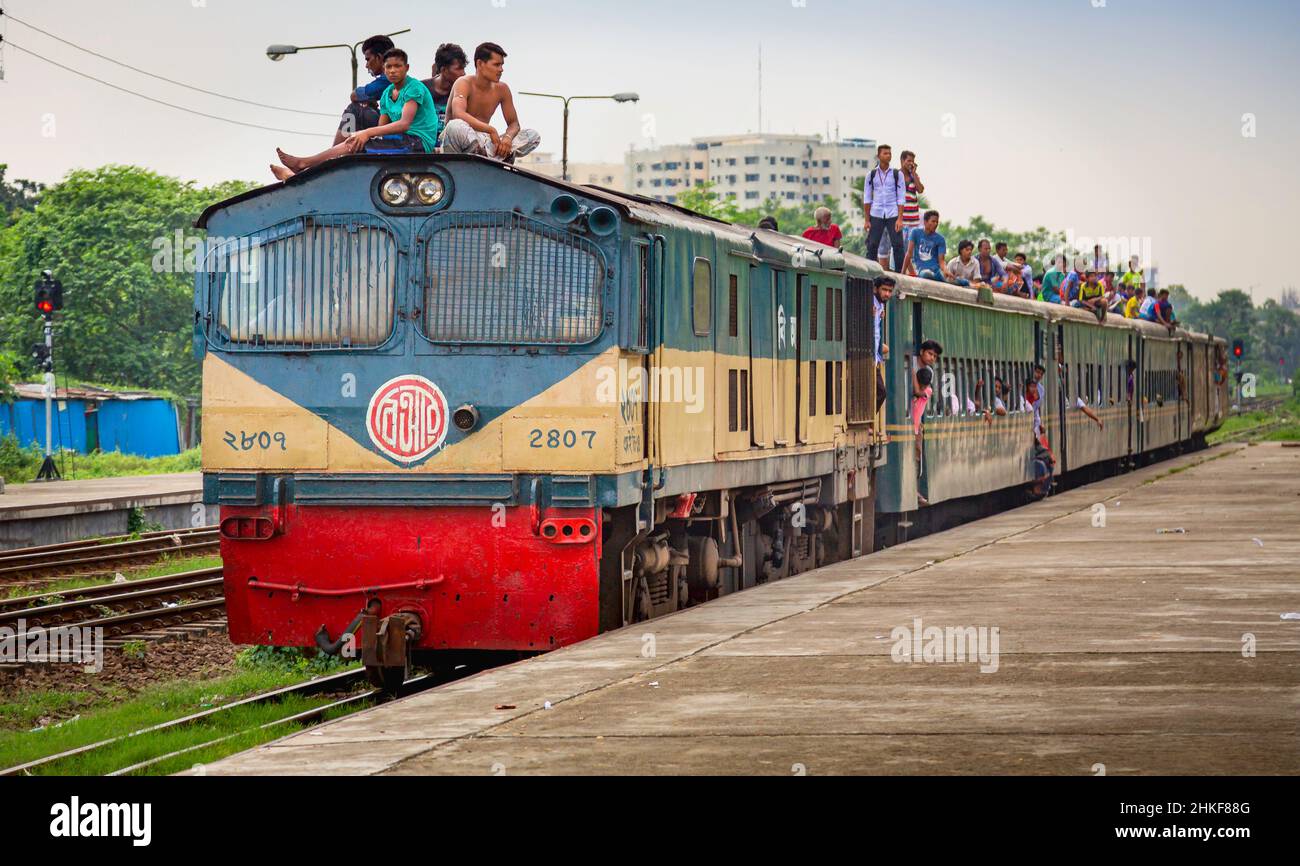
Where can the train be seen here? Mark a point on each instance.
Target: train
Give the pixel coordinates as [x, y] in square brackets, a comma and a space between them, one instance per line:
[452, 407]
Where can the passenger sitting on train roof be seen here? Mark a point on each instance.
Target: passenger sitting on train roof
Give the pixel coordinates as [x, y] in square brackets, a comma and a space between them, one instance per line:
[363, 110]
[1146, 310]
[768, 223]
[1026, 272]
[475, 100]
[1115, 300]
[1013, 283]
[414, 131]
[1091, 297]
[1053, 281]
[1000, 253]
[964, 270]
[1164, 311]
[927, 250]
[989, 266]
[825, 232]
[448, 68]
[1133, 277]
[1070, 288]
[1133, 303]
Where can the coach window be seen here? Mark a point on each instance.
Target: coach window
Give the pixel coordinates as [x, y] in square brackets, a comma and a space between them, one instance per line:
[703, 294]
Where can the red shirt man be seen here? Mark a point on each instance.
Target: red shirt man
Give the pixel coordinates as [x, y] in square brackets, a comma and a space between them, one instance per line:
[825, 232]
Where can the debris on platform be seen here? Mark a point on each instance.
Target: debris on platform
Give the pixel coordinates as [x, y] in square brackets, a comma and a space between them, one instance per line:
[506, 707]
[1178, 531]
[1292, 616]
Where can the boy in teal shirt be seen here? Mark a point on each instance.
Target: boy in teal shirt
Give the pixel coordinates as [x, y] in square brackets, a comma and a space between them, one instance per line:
[415, 129]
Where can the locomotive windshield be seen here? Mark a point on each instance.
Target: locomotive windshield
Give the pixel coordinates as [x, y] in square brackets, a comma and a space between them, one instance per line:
[500, 278]
[309, 283]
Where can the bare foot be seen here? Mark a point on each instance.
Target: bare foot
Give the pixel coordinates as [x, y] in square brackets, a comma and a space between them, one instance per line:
[282, 173]
[296, 163]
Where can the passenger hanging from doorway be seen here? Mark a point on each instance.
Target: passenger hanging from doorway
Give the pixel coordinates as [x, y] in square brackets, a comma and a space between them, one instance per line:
[922, 391]
[880, 306]
[1043, 461]
[1130, 380]
[475, 100]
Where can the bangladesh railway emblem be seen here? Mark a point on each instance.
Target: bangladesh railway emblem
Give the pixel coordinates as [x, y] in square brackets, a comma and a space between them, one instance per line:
[407, 419]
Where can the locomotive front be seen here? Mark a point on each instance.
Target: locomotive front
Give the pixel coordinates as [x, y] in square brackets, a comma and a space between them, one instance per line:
[400, 360]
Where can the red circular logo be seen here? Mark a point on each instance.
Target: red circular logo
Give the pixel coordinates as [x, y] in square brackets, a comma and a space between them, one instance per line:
[407, 418]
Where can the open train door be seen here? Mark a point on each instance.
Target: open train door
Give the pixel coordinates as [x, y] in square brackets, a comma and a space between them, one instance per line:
[731, 345]
[1131, 398]
[763, 355]
[1140, 395]
[1062, 403]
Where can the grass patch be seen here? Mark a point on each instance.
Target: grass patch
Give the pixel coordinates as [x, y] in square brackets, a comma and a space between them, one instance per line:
[63, 588]
[151, 707]
[1290, 433]
[1241, 426]
[19, 465]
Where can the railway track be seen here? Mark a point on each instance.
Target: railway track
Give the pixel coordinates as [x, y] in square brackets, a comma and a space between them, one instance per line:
[329, 685]
[124, 609]
[88, 558]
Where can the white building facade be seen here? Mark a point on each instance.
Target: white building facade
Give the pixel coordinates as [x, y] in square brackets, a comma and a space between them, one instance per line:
[751, 169]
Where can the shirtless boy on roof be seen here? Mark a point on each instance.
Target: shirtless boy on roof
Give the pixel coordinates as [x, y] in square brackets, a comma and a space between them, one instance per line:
[474, 100]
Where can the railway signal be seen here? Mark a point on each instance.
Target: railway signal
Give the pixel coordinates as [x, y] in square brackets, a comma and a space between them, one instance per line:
[49, 295]
[1238, 349]
[49, 298]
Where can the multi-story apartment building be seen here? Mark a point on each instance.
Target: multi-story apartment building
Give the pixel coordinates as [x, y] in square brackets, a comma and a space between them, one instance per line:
[753, 168]
[606, 174]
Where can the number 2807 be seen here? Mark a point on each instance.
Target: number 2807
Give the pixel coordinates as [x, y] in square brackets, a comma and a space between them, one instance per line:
[262, 441]
[561, 438]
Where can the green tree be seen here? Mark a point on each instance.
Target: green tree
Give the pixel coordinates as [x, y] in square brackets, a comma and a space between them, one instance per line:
[17, 195]
[1277, 339]
[1189, 311]
[118, 238]
[1231, 315]
[1040, 245]
[8, 376]
[705, 199]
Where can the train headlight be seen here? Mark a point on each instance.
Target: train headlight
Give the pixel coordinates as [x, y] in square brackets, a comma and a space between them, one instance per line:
[429, 190]
[395, 191]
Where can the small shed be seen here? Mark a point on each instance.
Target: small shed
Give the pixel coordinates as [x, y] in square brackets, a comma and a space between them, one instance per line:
[88, 419]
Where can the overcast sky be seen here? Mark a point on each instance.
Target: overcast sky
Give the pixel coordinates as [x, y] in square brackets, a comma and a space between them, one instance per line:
[1105, 118]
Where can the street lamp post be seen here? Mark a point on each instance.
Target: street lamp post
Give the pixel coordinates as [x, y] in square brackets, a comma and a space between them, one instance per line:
[564, 158]
[277, 52]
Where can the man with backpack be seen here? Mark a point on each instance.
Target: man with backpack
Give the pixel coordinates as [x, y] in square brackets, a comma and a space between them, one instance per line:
[883, 197]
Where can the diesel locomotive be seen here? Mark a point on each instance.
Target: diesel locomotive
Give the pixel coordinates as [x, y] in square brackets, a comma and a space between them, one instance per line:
[451, 406]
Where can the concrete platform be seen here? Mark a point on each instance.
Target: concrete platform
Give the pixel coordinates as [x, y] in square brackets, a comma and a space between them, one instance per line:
[35, 514]
[1118, 646]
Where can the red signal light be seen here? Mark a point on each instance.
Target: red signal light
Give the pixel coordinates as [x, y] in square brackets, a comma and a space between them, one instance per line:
[45, 306]
[1236, 350]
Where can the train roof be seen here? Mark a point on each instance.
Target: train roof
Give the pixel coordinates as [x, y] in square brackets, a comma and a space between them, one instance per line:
[762, 243]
